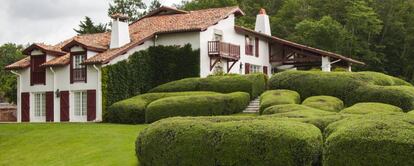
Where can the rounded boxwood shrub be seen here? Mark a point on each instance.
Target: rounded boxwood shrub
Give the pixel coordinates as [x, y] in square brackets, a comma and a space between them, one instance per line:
[411, 112]
[278, 97]
[132, 110]
[367, 108]
[197, 105]
[372, 139]
[350, 87]
[303, 113]
[326, 103]
[254, 84]
[194, 141]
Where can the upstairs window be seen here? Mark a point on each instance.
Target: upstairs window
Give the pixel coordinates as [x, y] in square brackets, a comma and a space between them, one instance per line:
[78, 71]
[248, 45]
[38, 73]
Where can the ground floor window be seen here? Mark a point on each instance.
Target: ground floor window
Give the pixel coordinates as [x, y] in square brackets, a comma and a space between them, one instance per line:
[255, 68]
[80, 103]
[40, 104]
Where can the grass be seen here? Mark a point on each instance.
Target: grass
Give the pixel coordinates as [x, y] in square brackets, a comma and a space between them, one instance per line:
[68, 144]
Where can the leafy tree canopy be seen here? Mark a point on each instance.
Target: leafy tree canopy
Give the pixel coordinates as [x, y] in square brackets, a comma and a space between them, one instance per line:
[9, 53]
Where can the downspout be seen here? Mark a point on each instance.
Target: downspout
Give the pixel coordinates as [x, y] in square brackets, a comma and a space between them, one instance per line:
[98, 90]
[54, 90]
[19, 111]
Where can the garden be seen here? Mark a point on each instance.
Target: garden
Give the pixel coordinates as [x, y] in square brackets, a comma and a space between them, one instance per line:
[305, 118]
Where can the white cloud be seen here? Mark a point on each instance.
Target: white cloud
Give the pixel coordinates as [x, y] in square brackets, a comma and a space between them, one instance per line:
[50, 21]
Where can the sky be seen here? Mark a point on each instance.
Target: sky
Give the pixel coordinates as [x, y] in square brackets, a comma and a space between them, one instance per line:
[50, 21]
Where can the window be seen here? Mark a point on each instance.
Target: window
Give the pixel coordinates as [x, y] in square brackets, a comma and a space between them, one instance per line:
[80, 103]
[248, 45]
[78, 70]
[254, 69]
[38, 73]
[40, 105]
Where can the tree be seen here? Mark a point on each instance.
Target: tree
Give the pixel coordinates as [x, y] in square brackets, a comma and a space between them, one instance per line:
[326, 33]
[154, 5]
[132, 8]
[88, 27]
[9, 53]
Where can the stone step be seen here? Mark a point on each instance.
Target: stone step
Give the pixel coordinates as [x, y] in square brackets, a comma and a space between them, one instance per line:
[253, 106]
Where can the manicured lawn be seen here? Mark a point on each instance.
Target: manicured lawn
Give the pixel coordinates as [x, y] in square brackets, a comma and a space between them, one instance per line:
[68, 144]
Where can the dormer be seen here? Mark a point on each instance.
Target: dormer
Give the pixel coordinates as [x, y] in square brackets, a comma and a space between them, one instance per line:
[39, 54]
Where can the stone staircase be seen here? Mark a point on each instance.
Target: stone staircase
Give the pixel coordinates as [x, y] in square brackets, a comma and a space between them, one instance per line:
[253, 106]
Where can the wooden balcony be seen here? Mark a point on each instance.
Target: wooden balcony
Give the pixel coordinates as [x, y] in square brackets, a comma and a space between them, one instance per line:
[224, 50]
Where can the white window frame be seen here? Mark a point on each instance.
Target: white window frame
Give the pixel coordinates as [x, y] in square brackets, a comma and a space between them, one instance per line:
[80, 104]
[39, 105]
[255, 69]
[77, 61]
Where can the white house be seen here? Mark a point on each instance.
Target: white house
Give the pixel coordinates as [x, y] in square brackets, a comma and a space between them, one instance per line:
[62, 83]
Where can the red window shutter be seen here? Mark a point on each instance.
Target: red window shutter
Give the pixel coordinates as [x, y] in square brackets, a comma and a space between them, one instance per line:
[256, 47]
[49, 106]
[25, 107]
[37, 73]
[265, 70]
[64, 106]
[91, 115]
[270, 52]
[246, 68]
[71, 69]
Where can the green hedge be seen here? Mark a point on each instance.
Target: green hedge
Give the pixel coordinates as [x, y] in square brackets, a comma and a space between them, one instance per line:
[197, 105]
[194, 141]
[411, 112]
[254, 84]
[350, 87]
[132, 110]
[370, 140]
[151, 67]
[367, 108]
[303, 113]
[278, 97]
[326, 103]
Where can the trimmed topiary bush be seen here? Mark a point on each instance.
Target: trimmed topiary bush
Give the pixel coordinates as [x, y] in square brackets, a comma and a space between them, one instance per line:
[367, 108]
[350, 87]
[132, 110]
[194, 141]
[411, 112]
[370, 140]
[254, 84]
[326, 103]
[278, 97]
[197, 105]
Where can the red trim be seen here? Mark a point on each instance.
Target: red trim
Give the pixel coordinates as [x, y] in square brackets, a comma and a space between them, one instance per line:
[64, 106]
[25, 107]
[265, 70]
[246, 68]
[91, 114]
[49, 106]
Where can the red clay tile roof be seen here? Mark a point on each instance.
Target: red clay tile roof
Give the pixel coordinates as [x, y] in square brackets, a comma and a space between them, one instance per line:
[59, 61]
[53, 50]
[147, 27]
[21, 64]
[296, 45]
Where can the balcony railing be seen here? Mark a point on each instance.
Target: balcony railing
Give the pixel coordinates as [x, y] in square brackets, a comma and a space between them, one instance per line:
[79, 74]
[224, 50]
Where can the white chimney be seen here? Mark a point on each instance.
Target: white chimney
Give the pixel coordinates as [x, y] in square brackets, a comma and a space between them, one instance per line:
[262, 23]
[119, 31]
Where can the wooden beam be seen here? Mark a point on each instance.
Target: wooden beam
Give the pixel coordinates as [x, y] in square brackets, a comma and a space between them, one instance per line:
[214, 63]
[231, 66]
